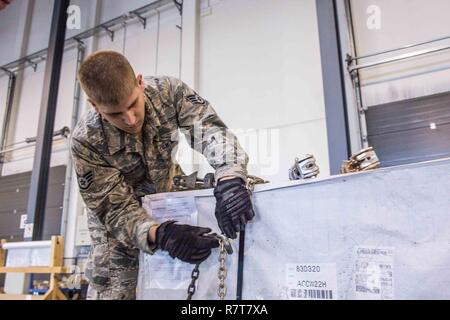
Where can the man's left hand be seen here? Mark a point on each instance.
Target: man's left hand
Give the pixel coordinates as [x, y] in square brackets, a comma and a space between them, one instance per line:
[234, 206]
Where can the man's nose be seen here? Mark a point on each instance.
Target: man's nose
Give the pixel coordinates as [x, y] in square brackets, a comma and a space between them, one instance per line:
[130, 118]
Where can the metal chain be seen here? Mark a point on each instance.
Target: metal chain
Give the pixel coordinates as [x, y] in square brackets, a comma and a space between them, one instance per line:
[225, 248]
[222, 273]
[194, 276]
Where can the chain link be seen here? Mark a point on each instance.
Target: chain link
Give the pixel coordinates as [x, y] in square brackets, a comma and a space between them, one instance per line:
[222, 272]
[225, 248]
[194, 276]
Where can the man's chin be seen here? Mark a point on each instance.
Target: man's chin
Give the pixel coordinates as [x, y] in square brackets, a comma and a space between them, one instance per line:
[133, 130]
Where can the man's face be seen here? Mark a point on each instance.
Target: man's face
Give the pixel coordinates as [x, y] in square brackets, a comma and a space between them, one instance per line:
[129, 115]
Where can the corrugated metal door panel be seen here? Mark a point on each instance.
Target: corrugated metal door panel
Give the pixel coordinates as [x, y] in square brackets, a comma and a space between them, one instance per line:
[411, 130]
[14, 191]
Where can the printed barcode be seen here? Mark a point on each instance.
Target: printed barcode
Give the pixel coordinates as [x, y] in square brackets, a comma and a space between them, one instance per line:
[312, 294]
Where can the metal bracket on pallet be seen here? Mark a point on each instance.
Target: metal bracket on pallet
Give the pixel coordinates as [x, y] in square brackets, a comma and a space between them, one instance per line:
[304, 168]
[192, 182]
[364, 160]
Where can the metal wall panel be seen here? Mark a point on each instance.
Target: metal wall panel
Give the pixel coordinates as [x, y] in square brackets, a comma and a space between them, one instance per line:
[14, 191]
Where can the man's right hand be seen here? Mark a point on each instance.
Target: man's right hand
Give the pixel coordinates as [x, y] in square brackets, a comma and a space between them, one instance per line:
[188, 243]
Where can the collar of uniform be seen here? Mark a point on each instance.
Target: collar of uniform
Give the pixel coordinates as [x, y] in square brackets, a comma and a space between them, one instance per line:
[115, 138]
[118, 140]
[133, 143]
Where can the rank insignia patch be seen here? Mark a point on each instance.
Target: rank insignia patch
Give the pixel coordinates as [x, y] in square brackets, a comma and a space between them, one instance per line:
[196, 99]
[85, 181]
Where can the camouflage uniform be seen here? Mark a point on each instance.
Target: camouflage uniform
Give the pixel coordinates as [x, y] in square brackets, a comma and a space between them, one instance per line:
[115, 169]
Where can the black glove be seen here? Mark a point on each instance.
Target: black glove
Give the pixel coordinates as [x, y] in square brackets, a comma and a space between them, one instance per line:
[188, 243]
[234, 206]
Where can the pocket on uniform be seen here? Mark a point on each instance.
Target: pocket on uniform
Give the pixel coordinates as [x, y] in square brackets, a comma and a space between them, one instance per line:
[165, 148]
[98, 267]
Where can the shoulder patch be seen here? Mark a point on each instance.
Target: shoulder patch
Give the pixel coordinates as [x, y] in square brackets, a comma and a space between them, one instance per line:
[196, 99]
[85, 181]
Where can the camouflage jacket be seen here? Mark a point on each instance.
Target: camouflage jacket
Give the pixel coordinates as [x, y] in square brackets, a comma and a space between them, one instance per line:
[115, 169]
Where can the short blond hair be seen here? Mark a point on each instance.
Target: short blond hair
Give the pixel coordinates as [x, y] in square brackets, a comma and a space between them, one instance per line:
[107, 78]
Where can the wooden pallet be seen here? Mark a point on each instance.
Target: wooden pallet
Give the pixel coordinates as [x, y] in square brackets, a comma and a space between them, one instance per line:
[56, 267]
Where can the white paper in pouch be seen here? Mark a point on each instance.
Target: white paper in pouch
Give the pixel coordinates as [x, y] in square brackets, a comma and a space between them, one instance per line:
[161, 270]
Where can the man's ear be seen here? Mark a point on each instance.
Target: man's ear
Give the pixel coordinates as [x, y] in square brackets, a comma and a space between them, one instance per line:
[140, 81]
[94, 105]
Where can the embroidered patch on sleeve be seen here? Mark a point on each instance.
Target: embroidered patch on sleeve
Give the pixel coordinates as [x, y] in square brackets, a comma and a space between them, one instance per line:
[196, 99]
[85, 181]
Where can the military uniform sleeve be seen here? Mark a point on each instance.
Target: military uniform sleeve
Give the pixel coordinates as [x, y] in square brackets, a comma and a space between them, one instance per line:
[109, 197]
[206, 132]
